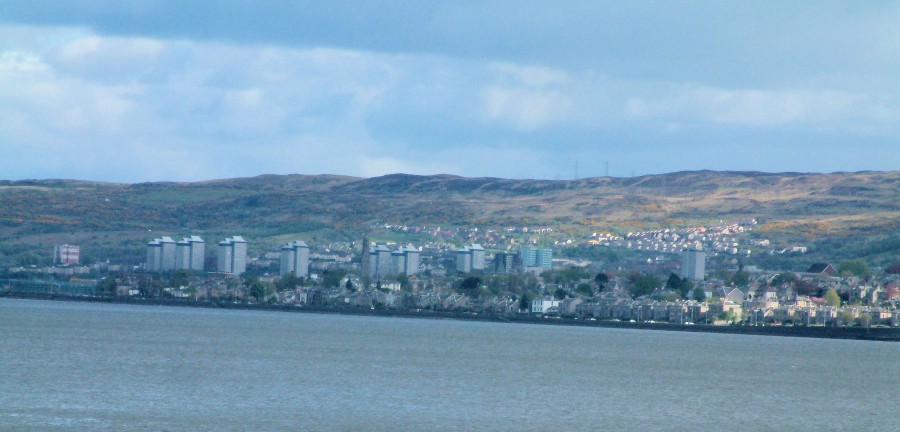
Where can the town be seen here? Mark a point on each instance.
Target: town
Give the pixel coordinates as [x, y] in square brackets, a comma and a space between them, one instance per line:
[510, 274]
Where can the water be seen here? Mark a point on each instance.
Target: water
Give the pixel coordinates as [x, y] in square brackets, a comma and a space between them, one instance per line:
[86, 366]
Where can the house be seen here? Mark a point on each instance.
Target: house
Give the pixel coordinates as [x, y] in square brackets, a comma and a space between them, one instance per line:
[722, 306]
[823, 269]
[455, 301]
[734, 295]
[569, 306]
[543, 305]
[428, 300]
[387, 299]
[501, 306]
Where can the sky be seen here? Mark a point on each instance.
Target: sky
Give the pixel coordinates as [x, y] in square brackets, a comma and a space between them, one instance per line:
[159, 90]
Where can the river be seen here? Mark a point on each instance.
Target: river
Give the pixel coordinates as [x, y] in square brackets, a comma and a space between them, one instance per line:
[92, 366]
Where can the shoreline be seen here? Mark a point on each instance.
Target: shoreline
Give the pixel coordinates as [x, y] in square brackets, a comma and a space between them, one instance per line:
[884, 334]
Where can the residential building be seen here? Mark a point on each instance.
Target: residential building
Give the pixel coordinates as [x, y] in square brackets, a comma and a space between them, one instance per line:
[693, 264]
[406, 260]
[398, 261]
[823, 269]
[530, 257]
[190, 254]
[295, 259]
[380, 262]
[544, 305]
[66, 254]
[365, 261]
[232, 257]
[463, 260]
[160, 254]
[477, 257]
[470, 258]
[504, 262]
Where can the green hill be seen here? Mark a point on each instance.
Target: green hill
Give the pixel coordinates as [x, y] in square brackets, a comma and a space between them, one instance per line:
[115, 220]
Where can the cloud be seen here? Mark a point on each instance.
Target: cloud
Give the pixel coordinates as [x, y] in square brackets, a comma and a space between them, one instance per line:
[757, 108]
[525, 109]
[80, 104]
[21, 62]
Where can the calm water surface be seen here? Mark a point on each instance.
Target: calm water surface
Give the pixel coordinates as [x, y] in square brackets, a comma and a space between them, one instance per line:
[86, 366]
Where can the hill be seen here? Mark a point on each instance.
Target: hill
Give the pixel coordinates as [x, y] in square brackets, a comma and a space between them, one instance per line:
[846, 210]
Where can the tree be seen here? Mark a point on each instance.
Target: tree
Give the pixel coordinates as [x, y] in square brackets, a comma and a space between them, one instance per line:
[570, 274]
[585, 289]
[784, 278]
[806, 287]
[855, 267]
[740, 278]
[149, 287]
[331, 278]
[262, 291]
[470, 283]
[404, 282]
[644, 284]
[847, 319]
[832, 298]
[349, 286]
[601, 280]
[288, 282]
[671, 297]
[686, 287]
[560, 294]
[673, 282]
[728, 316]
[107, 286]
[698, 294]
[525, 301]
[180, 278]
[892, 269]
[865, 320]
[682, 286]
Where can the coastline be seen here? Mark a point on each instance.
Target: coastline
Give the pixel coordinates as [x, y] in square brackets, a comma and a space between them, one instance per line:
[884, 334]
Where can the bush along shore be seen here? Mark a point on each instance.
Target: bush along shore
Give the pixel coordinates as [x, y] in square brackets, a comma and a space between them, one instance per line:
[890, 334]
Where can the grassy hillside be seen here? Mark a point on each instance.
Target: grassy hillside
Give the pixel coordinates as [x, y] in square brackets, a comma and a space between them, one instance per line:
[115, 220]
